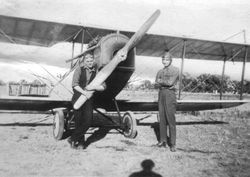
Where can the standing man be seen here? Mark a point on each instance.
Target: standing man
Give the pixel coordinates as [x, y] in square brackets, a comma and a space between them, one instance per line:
[166, 80]
[83, 75]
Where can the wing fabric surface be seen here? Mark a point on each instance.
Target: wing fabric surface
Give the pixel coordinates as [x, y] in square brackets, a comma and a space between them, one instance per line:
[183, 105]
[43, 33]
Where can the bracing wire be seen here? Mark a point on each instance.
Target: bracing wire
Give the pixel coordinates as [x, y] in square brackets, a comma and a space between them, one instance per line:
[12, 41]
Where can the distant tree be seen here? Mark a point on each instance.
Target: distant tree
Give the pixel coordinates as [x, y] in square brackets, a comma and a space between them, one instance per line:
[13, 82]
[146, 84]
[236, 86]
[23, 81]
[128, 86]
[36, 82]
[227, 84]
[209, 83]
[215, 83]
[204, 83]
[2, 82]
[188, 82]
[230, 86]
[246, 87]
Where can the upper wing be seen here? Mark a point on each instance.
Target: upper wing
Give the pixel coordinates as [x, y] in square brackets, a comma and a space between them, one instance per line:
[154, 45]
[42, 33]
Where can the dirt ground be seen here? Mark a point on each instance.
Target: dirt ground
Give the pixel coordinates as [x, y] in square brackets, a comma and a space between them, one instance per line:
[210, 143]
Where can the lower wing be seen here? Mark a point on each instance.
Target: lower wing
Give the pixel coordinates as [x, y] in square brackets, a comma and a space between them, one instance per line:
[182, 105]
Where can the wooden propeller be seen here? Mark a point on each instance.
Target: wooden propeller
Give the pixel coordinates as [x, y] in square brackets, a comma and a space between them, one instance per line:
[105, 72]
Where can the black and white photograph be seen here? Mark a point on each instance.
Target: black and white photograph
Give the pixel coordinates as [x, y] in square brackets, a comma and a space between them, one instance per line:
[145, 88]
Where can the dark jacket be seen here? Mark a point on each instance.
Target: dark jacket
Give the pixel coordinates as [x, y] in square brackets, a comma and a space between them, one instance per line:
[82, 83]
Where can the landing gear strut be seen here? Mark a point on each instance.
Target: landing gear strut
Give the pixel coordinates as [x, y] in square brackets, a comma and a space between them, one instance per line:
[128, 122]
[126, 125]
[63, 123]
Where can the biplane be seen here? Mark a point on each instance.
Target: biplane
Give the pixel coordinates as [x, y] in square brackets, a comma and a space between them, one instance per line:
[46, 34]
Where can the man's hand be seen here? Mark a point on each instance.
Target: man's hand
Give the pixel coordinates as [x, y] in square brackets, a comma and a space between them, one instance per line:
[86, 93]
[90, 87]
[82, 91]
[95, 88]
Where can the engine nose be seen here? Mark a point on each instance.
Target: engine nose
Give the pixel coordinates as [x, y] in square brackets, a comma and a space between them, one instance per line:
[108, 47]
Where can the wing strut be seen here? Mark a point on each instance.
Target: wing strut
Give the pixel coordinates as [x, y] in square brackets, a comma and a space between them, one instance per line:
[222, 77]
[243, 73]
[83, 35]
[73, 51]
[182, 66]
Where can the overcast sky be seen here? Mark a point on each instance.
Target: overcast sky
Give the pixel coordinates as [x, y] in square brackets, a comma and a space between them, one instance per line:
[211, 20]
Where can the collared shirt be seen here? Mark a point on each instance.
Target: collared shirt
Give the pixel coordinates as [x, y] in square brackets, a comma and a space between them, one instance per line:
[89, 73]
[167, 77]
[77, 74]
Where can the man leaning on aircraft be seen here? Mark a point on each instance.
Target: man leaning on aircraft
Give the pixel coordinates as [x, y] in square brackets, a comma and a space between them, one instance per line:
[83, 75]
[166, 80]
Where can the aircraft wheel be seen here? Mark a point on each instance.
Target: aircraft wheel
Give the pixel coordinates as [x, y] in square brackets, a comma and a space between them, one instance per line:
[129, 124]
[58, 124]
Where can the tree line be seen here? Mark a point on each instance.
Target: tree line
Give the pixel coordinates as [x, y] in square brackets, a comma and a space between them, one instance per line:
[22, 81]
[204, 83]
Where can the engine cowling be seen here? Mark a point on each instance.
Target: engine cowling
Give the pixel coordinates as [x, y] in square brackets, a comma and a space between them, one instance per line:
[108, 46]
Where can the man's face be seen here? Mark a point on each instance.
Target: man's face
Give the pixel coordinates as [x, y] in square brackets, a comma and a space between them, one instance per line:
[166, 60]
[89, 61]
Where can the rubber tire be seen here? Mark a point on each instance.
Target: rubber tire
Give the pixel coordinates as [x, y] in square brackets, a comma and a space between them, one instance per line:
[129, 124]
[58, 125]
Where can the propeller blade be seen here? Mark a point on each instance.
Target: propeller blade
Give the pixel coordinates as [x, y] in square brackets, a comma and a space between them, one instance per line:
[105, 72]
